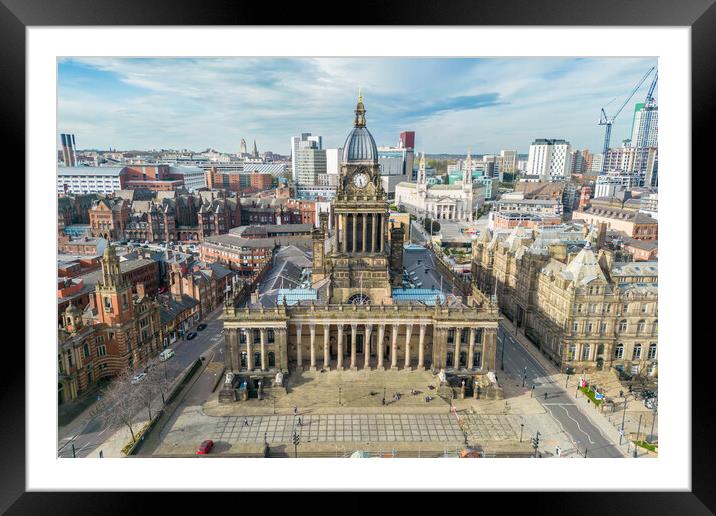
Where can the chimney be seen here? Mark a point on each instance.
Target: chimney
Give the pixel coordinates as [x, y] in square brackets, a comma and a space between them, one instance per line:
[140, 290]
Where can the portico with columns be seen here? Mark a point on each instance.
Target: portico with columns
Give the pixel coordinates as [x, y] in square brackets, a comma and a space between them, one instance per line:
[352, 337]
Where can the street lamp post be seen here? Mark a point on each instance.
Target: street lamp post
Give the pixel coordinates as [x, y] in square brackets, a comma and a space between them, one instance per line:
[567, 382]
[522, 427]
[532, 391]
[339, 395]
[621, 434]
[502, 355]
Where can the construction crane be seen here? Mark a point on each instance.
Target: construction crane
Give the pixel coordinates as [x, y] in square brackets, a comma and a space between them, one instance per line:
[607, 121]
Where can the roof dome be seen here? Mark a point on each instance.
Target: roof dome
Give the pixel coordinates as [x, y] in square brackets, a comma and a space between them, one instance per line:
[360, 145]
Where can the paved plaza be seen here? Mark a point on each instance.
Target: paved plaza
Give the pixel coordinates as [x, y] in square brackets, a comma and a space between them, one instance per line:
[362, 428]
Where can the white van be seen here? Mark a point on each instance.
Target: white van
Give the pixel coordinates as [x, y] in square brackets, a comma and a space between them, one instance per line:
[166, 354]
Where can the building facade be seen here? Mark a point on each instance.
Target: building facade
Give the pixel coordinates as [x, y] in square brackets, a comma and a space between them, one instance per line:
[450, 202]
[577, 306]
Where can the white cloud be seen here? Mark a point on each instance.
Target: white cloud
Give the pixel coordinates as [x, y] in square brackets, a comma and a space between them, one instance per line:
[203, 102]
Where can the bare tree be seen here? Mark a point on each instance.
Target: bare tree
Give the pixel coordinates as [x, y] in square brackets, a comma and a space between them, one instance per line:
[157, 378]
[121, 402]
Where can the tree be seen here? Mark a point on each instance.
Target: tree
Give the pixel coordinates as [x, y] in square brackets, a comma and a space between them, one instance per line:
[435, 226]
[121, 401]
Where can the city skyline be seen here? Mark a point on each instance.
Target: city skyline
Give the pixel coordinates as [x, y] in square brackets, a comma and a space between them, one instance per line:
[452, 104]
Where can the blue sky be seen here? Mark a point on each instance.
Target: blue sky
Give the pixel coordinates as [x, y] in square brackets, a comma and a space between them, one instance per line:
[452, 104]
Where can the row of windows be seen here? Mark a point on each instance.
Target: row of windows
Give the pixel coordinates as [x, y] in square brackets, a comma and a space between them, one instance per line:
[618, 352]
[622, 327]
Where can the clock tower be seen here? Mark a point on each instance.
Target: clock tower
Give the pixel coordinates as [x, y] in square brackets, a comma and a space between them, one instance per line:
[358, 260]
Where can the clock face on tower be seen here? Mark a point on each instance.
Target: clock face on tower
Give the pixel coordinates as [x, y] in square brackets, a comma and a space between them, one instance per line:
[360, 179]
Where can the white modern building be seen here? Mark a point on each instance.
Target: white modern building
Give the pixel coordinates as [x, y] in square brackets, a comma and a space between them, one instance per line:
[608, 184]
[549, 159]
[194, 177]
[83, 180]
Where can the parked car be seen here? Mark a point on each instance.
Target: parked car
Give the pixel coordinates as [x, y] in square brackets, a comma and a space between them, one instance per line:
[166, 354]
[205, 447]
[138, 378]
[191, 335]
[201, 327]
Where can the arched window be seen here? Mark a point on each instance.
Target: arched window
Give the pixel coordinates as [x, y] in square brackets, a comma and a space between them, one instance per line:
[623, 326]
[359, 299]
[636, 355]
[640, 326]
[619, 351]
[585, 352]
[652, 352]
[655, 327]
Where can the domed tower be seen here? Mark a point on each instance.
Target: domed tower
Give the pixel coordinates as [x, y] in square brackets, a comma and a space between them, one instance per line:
[360, 258]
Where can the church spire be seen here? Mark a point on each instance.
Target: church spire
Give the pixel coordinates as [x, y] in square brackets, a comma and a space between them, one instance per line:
[360, 112]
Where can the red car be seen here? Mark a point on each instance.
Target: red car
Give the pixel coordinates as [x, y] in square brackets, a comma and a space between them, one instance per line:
[205, 447]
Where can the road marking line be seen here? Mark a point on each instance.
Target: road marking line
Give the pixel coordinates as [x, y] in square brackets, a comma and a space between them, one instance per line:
[580, 428]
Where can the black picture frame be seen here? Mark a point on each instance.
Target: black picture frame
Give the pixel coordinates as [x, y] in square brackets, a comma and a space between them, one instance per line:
[700, 15]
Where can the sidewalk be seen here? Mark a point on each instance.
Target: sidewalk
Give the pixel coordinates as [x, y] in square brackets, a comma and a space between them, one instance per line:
[598, 420]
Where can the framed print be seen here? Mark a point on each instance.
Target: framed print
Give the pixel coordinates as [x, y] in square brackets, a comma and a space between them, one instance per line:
[428, 235]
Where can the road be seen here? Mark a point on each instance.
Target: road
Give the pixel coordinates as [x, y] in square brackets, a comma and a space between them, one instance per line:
[422, 263]
[518, 363]
[88, 437]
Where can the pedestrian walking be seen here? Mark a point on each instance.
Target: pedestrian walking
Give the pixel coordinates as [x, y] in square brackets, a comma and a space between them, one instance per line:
[295, 410]
[246, 421]
[383, 400]
[545, 395]
[300, 422]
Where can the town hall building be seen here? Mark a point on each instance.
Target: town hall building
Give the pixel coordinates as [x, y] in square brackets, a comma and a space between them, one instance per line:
[355, 315]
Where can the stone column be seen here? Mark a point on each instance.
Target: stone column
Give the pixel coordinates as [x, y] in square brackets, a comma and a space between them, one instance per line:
[456, 358]
[299, 353]
[263, 349]
[421, 347]
[312, 329]
[344, 232]
[408, 332]
[488, 350]
[381, 336]
[249, 354]
[354, 330]
[366, 346]
[364, 227]
[326, 354]
[381, 229]
[373, 230]
[339, 355]
[394, 348]
[355, 232]
[471, 350]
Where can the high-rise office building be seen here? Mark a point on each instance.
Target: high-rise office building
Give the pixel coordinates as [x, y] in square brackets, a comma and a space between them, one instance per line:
[303, 141]
[242, 147]
[509, 161]
[644, 134]
[407, 140]
[549, 159]
[69, 156]
[310, 164]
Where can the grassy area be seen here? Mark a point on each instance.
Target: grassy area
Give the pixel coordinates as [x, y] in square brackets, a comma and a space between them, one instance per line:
[591, 395]
[646, 445]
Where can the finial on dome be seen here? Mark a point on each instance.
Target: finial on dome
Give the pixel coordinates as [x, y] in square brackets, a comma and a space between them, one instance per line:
[360, 112]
